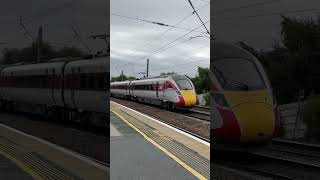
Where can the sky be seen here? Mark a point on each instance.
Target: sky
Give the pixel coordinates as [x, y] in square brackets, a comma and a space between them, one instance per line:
[257, 22]
[57, 18]
[134, 41]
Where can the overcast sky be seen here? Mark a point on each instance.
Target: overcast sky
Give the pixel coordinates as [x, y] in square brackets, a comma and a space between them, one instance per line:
[56, 17]
[262, 29]
[132, 40]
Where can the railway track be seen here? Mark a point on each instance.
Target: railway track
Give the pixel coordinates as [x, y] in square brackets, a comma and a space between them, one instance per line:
[269, 166]
[198, 112]
[195, 113]
[297, 147]
[280, 159]
[202, 108]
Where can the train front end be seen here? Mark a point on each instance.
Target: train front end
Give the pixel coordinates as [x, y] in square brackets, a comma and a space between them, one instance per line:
[186, 91]
[244, 108]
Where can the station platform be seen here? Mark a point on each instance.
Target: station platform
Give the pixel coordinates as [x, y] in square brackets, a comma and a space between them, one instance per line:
[143, 148]
[25, 157]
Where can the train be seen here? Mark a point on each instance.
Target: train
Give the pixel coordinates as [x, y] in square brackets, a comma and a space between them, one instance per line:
[65, 89]
[243, 108]
[168, 91]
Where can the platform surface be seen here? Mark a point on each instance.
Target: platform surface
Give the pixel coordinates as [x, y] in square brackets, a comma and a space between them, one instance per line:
[10, 171]
[139, 151]
[25, 157]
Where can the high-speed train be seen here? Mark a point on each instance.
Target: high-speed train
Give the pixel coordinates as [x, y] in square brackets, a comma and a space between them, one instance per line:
[243, 110]
[170, 91]
[67, 89]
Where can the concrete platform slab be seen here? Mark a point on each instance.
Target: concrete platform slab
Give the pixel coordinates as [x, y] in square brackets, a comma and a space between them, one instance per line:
[132, 157]
[41, 160]
[150, 153]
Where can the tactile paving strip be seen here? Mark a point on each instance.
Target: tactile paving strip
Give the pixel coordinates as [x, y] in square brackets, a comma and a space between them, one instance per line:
[193, 159]
[35, 163]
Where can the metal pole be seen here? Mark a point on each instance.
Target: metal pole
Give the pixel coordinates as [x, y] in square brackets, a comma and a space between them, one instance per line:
[147, 68]
[122, 75]
[39, 43]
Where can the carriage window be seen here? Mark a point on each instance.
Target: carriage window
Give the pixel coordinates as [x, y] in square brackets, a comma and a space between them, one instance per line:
[238, 74]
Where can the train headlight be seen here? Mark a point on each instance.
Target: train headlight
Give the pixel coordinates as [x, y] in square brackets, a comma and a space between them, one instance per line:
[178, 92]
[220, 99]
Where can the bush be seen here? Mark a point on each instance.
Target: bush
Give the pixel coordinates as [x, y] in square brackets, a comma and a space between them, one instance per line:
[311, 116]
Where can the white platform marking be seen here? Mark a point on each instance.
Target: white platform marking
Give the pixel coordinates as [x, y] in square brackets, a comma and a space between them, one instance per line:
[114, 132]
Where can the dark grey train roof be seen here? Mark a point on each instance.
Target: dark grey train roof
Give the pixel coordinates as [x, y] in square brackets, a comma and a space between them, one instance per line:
[221, 49]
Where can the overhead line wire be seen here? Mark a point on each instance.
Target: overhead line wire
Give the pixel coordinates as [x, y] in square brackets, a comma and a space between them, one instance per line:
[270, 14]
[179, 22]
[168, 44]
[246, 6]
[153, 22]
[195, 11]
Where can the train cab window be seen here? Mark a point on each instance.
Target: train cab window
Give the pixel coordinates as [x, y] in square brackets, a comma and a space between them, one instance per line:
[238, 74]
[183, 82]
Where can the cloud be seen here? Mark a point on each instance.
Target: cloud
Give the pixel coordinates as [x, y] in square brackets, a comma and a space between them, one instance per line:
[133, 41]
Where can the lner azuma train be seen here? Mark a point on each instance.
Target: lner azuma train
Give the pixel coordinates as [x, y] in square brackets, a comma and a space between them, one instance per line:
[64, 89]
[243, 108]
[170, 91]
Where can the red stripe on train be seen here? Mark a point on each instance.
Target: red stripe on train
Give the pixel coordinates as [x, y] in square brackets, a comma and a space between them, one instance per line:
[181, 101]
[230, 130]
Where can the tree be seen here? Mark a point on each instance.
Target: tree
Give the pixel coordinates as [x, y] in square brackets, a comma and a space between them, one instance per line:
[293, 64]
[122, 77]
[201, 81]
[167, 73]
[29, 54]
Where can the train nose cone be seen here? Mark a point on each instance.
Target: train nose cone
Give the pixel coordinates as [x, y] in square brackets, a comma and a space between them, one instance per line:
[189, 97]
[256, 120]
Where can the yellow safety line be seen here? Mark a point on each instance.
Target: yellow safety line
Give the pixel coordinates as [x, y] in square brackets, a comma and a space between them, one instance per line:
[187, 167]
[22, 166]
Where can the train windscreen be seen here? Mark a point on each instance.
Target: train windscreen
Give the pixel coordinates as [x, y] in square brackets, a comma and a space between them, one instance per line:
[238, 74]
[183, 82]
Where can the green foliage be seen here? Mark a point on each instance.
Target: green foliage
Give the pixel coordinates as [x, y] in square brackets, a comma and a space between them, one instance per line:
[122, 78]
[201, 81]
[311, 116]
[167, 73]
[29, 54]
[70, 52]
[294, 65]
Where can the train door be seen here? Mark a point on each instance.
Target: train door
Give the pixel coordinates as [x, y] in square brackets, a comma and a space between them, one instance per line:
[126, 86]
[72, 89]
[164, 87]
[52, 79]
[131, 88]
[157, 89]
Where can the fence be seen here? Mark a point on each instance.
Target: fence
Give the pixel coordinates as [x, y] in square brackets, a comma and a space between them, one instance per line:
[292, 121]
